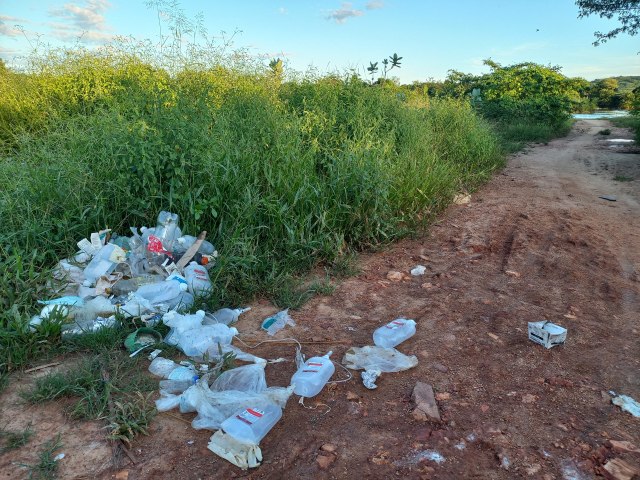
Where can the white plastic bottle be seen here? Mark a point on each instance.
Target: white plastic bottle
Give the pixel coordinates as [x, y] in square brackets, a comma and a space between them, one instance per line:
[250, 425]
[198, 279]
[312, 376]
[394, 333]
[224, 315]
[185, 241]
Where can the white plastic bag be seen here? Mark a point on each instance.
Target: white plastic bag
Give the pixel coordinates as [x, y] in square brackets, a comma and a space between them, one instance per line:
[375, 360]
[240, 454]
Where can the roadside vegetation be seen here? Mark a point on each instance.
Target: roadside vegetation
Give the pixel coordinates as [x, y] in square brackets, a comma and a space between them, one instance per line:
[286, 173]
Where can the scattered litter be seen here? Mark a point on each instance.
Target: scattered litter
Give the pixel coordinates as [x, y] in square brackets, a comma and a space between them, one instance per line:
[418, 270]
[462, 199]
[611, 198]
[376, 360]
[154, 354]
[626, 404]
[420, 456]
[190, 442]
[240, 454]
[505, 463]
[471, 437]
[460, 445]
[547, 334]
[277, 322]
[369, 378]
[312, 376]
[394, 332]
[142, 338]
[228, 316]
[619, 140]
[59, 457]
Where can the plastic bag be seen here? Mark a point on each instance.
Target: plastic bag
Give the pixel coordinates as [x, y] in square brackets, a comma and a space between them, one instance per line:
[240, 454]
[378, 358]
[375, 360]
[214, 407]
[247, 378]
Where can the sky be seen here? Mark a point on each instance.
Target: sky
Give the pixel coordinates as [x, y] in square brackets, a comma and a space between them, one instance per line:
[330, 36]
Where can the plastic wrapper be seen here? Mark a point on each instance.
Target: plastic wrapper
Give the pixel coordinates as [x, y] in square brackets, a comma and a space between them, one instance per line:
[242, 455]
[375, 360]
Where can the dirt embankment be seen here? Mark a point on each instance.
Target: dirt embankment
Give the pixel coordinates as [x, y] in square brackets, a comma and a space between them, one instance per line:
[536, 243]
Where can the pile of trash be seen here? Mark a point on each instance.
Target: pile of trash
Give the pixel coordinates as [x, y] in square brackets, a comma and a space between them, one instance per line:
[156, 274]
[154, 271]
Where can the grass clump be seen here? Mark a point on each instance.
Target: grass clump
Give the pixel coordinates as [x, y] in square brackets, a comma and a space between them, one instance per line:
[47, 465]
[12, 439]
[606, 131]
[631, 121]
[622, 178]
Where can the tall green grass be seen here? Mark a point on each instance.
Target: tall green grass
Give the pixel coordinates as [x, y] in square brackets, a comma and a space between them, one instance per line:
[283, 176]
[631, 121]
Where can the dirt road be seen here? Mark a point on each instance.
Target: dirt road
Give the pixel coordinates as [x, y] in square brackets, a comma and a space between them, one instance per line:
[536, 243]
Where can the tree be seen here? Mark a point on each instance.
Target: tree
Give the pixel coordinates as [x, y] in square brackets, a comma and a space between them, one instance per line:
[627, 11]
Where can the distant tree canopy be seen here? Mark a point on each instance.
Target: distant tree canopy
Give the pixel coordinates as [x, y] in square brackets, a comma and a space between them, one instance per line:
[627, 11]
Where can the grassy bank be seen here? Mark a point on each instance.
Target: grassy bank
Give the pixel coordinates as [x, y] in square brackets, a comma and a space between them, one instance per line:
[284, 176]
[631, 121]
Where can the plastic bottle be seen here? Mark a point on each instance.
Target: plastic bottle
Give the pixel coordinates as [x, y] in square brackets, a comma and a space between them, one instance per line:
[182, 374]
[185, 241]
[394, 333]
[197, 279]
[167, 229]
[203, 340]
[100, 264]
[312, 376]
[161, 292]
[224, 315]
[250, 425]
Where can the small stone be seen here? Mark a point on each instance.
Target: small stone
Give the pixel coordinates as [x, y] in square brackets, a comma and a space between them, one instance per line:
[623, 446]
[427, 285]
[395, 276]
[621, 470]
[533, 469]
[484, 408]
[325, 461]
[328, 447]
[528, 398]
[441, 368]
[353, 397]
[440, 396]
[512, 273]
[562, 427]
[122, 475]
[494, 336]
[425, 400]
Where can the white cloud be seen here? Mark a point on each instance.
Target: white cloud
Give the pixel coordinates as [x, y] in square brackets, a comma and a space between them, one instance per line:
[8, 25]
[343, 14]
[83, 21]
[374, 5]
[283, 11]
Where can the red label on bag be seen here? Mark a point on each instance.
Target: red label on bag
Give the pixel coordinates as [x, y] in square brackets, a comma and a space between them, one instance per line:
[394, 324]
[250, 415]
[311, 364]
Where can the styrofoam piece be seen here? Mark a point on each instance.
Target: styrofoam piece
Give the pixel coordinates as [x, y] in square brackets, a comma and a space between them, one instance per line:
[547, 334]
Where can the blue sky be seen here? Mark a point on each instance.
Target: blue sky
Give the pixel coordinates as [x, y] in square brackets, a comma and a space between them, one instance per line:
[431, 36]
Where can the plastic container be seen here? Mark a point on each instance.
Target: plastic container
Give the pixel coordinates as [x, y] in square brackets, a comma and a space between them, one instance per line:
[167, 229]
[162, 367]
[202, 341]
[183, 374]
[250, 425]
[185, 241]
[394, 333]
[312, 376]
[198, 280]
[161, 292]
[100, 264]
[224, 315]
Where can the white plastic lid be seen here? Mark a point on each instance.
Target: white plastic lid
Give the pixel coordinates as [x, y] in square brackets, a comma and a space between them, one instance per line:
[234, 330]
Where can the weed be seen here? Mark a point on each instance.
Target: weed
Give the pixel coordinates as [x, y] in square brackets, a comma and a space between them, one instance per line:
[131, 416]
[344, 266]
[47, 466]
[606, 131]
[622, 178]
[13, 440]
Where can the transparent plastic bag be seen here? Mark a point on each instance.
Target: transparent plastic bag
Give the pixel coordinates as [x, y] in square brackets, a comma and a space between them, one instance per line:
[247, 378]
[375, 360]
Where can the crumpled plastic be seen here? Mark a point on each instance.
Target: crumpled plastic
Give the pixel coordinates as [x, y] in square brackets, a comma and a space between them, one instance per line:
[242, 455]
[277, 322]
[627, 404]
[241, 387]
[376, 360]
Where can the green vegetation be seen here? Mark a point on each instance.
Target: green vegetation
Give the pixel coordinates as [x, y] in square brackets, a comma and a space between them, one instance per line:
[622, 178]
[626, 11]
[47, 466]
[284, 175]
[12, 440]
[632, 122]
[606, 131]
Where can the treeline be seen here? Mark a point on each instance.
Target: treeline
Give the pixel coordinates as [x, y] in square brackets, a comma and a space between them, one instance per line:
[529, 80]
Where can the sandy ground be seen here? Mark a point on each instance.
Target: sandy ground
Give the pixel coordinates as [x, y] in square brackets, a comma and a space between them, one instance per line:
[536, 243]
